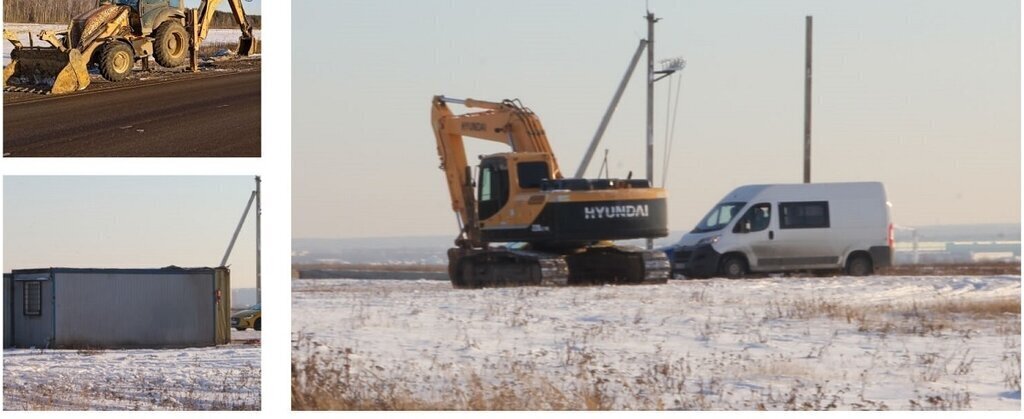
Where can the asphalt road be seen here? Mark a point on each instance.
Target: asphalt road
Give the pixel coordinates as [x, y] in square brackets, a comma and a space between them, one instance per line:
[215, 115]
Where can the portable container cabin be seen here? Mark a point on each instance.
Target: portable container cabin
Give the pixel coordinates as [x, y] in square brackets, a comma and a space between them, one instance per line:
[120, 308]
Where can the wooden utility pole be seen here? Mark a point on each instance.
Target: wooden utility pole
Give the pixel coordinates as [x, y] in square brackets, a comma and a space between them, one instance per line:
[193, 43]
[807, 102]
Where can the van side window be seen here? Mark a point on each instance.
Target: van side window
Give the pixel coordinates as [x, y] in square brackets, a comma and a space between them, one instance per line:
[803, 214]
[757, 218]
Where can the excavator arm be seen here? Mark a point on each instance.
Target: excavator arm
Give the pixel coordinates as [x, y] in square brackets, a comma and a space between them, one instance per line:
[506, 122]
[247, 43]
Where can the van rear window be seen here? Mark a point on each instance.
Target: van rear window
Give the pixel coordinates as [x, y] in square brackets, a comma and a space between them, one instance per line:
[803, 214]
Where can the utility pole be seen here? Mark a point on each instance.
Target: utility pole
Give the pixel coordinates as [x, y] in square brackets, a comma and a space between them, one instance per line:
[259, 211]
[650, 96]
[807, 101]
[650, 104]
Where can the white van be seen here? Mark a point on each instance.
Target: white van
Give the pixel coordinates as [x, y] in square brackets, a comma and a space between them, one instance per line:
[778, 228]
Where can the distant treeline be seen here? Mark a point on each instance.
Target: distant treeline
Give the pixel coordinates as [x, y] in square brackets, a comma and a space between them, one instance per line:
[61, 11]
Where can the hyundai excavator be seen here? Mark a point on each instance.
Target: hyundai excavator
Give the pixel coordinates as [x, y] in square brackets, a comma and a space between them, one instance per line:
[113, 36]
[557, 231]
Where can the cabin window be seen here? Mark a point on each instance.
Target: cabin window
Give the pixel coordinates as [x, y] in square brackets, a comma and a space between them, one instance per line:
[33, 298]
[803, 214]
[757, 218]
[532, 173]
[493, 191]
[719, 217]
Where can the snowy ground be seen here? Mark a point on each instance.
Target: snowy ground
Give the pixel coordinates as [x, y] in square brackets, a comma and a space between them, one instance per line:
[220, 378]
[896, 343]
[217, 36]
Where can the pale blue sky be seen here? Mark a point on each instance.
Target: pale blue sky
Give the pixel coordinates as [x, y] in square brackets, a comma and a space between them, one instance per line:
[921, 95]
[128, 222]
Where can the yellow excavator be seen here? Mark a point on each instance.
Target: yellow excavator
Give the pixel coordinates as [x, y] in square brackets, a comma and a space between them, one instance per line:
[112, 37]
[557, 231]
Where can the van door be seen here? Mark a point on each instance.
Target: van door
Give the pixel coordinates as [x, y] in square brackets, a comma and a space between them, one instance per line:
[755, 229]
[803, 239]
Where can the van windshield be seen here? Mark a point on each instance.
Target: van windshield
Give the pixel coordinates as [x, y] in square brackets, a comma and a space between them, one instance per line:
[719, 217]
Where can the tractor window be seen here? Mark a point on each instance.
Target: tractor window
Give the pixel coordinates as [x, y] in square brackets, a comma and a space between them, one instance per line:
[531, 173]
[132, 3]
[493, 189]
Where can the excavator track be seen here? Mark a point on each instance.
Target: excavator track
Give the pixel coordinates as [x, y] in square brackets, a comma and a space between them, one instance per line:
[618, 265]
[502, 267]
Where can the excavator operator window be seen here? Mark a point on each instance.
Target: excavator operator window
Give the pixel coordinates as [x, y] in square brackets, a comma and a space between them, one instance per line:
[493, 189]
[532, 173]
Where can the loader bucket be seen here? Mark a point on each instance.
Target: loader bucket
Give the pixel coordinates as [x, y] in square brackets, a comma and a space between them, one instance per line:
[247, 46]
[46, 70]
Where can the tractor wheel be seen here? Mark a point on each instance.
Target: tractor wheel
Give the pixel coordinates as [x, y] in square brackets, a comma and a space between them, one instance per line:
[170, 44]
[258, 325]
[116, 61]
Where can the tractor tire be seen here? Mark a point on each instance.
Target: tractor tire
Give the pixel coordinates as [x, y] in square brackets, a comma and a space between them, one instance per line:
[170, 44]
[258, 325]
[116, 61]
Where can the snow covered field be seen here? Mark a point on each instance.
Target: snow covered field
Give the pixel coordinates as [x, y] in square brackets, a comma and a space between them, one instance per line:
[217, 36]
[896, 343]
[220, 378]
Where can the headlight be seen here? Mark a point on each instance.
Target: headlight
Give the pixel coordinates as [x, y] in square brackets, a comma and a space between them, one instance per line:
[708, 240]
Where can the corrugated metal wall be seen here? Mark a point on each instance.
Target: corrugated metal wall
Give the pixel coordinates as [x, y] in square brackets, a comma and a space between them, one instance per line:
[132, 309]
[8, 317]
[32, 331]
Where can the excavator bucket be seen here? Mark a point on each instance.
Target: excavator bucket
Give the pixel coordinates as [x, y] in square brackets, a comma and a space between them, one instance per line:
[46, 70]
[247, 46]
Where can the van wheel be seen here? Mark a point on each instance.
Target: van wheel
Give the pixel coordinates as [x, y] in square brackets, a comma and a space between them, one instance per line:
[859, 265]
[734, 267]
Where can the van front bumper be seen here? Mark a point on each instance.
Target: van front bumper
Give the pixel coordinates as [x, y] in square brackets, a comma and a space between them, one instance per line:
[695, 261]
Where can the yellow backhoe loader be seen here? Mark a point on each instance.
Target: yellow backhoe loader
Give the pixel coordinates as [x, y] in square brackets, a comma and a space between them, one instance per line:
[560, 229]
[112, 37]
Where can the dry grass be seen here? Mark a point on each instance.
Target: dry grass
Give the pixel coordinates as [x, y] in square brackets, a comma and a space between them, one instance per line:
[235, 390]
[934, 318]
[584, 372]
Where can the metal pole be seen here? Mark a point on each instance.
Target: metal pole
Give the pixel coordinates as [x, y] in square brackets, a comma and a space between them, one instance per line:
[807, 102]
[650, 97]
[231, 245]
[611, 109]
[259, 213]
[650, 104]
